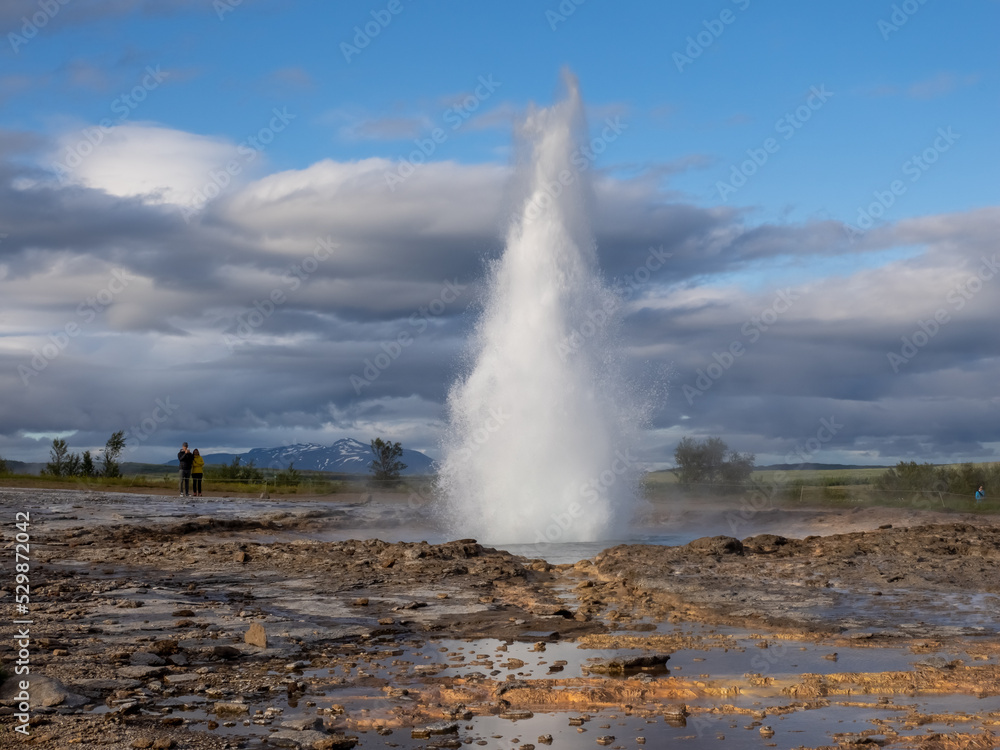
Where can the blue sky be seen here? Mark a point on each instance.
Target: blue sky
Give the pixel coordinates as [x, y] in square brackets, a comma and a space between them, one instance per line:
[839, 103]
[891, 89]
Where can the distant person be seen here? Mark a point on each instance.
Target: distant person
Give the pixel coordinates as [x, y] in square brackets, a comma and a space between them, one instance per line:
[185, 458]
[197, 472]
[980, 495]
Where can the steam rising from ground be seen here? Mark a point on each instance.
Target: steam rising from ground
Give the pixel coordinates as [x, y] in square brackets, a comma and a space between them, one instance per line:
[542, 426]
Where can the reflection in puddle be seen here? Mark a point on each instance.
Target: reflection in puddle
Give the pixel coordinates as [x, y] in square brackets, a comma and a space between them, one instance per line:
[370, 690]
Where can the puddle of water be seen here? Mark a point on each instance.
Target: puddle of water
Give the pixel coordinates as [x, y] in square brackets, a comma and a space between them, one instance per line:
[365, 675]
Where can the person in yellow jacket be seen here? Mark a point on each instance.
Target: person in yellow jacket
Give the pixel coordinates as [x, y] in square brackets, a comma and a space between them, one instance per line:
[197, 473]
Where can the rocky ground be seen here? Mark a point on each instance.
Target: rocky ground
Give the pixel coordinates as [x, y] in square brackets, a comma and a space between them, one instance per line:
[152, 626]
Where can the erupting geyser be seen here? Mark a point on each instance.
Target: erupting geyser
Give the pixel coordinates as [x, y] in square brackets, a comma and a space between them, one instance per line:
[542, 426]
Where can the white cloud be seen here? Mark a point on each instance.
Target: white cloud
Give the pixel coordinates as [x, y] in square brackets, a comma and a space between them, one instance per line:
[142, 160]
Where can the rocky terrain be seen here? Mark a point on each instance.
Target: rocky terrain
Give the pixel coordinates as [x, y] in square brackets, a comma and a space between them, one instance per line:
[260, 625]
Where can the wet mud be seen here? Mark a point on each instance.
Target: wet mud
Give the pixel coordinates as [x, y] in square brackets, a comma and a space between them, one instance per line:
[265, 624]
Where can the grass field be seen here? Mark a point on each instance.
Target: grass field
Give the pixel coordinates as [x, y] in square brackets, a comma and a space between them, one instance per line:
[164, 482]
[797, 488]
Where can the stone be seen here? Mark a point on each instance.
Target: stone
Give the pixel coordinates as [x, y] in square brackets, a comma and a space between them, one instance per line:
[291, 738]
[230, 708]
[184, 678]
[516, 714]
[675, 711]
[146, 659]
[140, 672]
[98, 685]
[44, 691]
[336, 742]
[304, 723]
[717, 545]
[623, 664]
[163, 648]
[256, 636]
[226, 653]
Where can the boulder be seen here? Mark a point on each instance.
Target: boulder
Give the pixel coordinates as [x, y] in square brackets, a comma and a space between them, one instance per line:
[256, 636]
[717, 545]
[44, 691]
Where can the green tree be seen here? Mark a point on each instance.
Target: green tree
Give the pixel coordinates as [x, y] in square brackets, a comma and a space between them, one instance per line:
[711, 463]
[289, 477]
[236, 472]
[58, 456]
[73, 465]
[113, 450]
[87, 465]
[4, 469]
[386, 465]
[737, 468]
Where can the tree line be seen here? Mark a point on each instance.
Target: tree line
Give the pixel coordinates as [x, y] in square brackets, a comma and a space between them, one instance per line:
[963, 479]
[712, 466]
[62, 463]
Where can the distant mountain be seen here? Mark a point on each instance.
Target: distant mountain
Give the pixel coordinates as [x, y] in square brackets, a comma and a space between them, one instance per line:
[347, 456]
[20, 467]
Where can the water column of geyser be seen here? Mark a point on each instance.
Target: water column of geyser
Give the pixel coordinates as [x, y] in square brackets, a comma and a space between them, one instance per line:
[538, 446]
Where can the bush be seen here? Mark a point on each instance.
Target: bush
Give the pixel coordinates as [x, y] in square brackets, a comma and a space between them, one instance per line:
[962, 480]
[711, 463]
[236, 472]
[289, 477]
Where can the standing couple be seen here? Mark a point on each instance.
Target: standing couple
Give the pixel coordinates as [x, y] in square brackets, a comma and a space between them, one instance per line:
[192, 467]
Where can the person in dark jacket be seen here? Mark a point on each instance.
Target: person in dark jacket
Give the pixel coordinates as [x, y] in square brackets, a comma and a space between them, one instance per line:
[185, 458]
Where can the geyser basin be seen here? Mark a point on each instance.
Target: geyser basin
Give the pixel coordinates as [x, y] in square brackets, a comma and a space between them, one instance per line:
[542, 425]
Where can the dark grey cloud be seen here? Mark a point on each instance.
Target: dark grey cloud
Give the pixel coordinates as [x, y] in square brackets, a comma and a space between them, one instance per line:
[197, 328]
